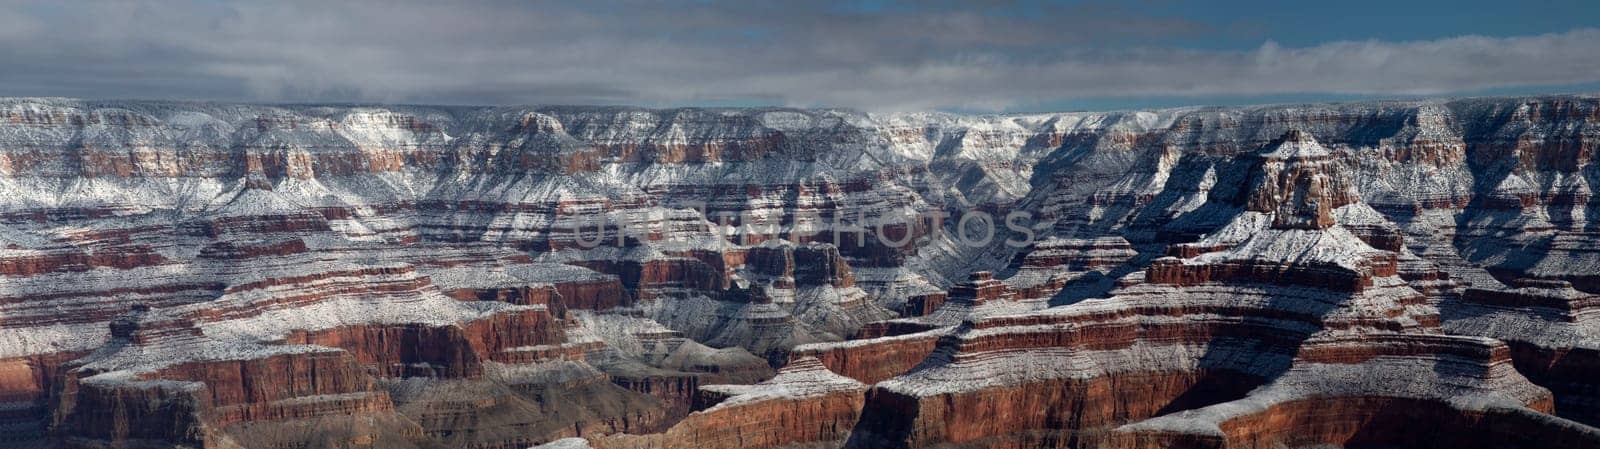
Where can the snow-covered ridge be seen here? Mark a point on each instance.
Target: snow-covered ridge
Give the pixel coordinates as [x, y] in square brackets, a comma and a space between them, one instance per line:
[154, 155]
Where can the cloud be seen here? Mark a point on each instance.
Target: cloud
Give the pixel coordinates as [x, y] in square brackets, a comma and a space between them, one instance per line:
[886, 56]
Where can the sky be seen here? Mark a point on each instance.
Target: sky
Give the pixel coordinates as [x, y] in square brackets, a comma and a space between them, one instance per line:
[979, 56]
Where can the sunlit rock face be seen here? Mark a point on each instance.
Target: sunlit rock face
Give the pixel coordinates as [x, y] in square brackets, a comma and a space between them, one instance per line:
[1391, 274]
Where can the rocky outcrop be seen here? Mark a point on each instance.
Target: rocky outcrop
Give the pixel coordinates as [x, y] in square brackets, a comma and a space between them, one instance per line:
[804, 403]
[1299, 184]
[872, 360]
[27, 383]
[1047, 267]
[1549, 328]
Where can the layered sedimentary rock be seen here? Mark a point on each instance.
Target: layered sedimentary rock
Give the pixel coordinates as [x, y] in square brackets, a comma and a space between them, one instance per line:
[317, 276]
[1046, 268]
[1276, 331]
[1552, 332]
[805, 403]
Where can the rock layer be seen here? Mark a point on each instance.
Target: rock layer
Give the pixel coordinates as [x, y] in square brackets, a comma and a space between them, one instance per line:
[317, 276]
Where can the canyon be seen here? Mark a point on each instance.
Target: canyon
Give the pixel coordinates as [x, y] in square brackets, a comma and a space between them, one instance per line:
[1416, 274]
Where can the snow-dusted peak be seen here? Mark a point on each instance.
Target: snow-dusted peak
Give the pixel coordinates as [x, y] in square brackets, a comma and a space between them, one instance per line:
[1295, 144]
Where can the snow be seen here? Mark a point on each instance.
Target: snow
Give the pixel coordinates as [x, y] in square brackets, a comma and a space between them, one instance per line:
[449, 175]
[1296, 149]
[801, 378]
[565, 443]
[1252, 238]
[1440, 379]
[814, 348]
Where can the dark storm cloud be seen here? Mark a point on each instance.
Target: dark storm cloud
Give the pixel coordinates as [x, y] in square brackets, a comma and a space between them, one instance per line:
[870, 55]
